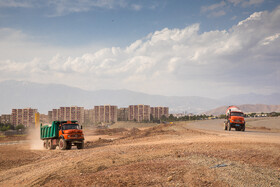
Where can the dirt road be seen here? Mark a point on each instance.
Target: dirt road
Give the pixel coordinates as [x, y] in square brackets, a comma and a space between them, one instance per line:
[183, 154]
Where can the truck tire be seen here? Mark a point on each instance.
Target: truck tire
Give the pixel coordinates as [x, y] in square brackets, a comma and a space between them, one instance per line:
[80, 145]
[62, 144]
[45, 144]
[68, 145]
[225, 126]
[52, 146]
[49, 144]
[243, 128]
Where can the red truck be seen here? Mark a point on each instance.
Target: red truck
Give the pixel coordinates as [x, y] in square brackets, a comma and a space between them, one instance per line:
[63, 134]
[234, 119]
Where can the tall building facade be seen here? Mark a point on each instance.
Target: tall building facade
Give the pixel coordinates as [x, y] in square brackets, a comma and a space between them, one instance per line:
[68, 113]
[89, 115]
[139, 113]
[25, 117]
[105, 113]
[50, 114]
[123, 114]
[158, 112]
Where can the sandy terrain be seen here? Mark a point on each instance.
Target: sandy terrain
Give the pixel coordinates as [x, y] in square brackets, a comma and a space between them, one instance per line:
[183, 154]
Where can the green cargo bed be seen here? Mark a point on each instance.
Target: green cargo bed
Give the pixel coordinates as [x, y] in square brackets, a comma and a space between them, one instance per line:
[49, 131]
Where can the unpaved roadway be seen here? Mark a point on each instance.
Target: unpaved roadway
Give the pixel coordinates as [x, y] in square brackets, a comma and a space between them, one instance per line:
[184, 154]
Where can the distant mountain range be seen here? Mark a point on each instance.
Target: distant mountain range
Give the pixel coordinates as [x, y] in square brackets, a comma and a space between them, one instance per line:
[247, 108]
[45, 97]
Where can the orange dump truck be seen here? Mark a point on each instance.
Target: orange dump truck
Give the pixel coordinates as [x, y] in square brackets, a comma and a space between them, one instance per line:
[234, 119]
[63, 134]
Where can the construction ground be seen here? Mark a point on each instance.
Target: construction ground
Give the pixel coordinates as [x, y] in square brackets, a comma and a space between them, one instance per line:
[197, 153]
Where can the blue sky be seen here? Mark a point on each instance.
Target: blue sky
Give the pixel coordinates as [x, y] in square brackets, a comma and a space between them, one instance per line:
[117, 22]
[168, 47]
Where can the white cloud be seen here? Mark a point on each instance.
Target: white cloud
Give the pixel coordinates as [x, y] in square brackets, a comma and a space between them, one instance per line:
[62, 7]
[252, 2]
[270, 39]
[16, 3]
[235, 2]
[169, 61]
[246, 3]
[213, 7]
[214, 10]
[217, 13]
[136, 7]
[255, 16]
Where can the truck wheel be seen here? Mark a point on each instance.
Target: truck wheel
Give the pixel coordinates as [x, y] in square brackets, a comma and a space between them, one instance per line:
[80, 145]
[229, 127]
[243, 128]
[69, 145]
[52, 146]
[49, 146]
[45, 144]
[225, 126]
[62, 144]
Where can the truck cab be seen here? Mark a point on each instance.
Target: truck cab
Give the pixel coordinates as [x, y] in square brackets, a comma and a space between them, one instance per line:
[70, 131]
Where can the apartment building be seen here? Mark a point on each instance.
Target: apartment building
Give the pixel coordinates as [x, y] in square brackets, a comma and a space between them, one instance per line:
[105, 113]
[68, 113]
[55, 114]
[25, 117]
[6, 119]
[158, 112]
[50, 115]
[89, 115]
[123, 114]
[139, 113]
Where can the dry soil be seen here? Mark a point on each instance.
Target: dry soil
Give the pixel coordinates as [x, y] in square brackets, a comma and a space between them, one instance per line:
[182, 154]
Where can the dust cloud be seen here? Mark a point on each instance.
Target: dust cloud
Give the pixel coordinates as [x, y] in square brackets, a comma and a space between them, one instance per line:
[34, 136]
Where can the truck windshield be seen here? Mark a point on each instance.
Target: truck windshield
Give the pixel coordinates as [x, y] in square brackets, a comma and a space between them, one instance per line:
[70, 126]
[236, 114]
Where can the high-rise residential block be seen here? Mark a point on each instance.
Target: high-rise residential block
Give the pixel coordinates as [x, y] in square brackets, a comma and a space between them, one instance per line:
[105, 113]
[158, 112]
[139, 113]
[68, 113]
[50, 114]
[89, 116]
[123, 114]
[25, 117]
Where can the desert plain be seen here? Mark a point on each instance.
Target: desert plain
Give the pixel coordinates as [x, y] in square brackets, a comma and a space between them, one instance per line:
[193, 153]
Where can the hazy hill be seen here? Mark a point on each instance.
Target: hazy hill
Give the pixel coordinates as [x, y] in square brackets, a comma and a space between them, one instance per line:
[272, 99]
[45, 97]
[247, 108]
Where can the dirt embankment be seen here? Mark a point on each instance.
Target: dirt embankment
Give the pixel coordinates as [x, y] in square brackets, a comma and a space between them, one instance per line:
[164, 155]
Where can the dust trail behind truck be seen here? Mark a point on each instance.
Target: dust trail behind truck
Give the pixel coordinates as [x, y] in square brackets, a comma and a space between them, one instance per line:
[63, 134]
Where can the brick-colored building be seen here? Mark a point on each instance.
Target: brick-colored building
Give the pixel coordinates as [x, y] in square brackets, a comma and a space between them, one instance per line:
[6, 119]
[123, 114]
[55, 115]
[158, 112]
[89, 115]
[105, 113]
[68, 113]
[139, 113]
[25, 117]
[50, 114]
